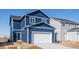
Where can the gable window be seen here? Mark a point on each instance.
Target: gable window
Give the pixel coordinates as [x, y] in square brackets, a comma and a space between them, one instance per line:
[32, 21]
[38, 20]
[44, 20]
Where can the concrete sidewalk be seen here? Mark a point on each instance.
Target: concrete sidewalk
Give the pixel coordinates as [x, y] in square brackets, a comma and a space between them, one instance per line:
[53, 46]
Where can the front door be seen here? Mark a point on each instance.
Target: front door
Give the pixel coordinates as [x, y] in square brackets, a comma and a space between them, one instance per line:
[18, 36]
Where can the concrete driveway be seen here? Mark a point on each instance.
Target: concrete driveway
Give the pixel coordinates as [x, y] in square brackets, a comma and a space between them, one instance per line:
[52, 46]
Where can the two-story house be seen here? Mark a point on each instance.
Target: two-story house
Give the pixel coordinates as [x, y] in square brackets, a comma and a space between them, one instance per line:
[31, 28]
[62, 26]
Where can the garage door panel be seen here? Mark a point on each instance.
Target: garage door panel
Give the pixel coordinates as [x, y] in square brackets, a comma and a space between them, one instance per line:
[42, 37]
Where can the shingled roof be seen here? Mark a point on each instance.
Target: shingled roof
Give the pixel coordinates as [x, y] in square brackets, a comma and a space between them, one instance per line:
[64, 21]
[36, 11]
[15, 17]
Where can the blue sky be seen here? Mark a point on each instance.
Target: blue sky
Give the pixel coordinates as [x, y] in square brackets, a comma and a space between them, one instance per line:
[70, 14]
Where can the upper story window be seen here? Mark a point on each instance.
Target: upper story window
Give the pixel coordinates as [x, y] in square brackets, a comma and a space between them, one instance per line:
[37, 20]
[32, 21]
[44, 20]
[63, 24]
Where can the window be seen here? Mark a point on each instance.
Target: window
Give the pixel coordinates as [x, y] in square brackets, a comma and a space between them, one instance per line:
[44, 20]
[63, 24]
[38, 20]
[32, 21]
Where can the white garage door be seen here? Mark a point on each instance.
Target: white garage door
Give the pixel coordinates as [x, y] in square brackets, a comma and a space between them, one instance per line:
[42, 37]
[78, 36]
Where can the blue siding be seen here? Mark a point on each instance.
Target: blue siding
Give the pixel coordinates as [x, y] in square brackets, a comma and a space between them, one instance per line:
[27, 20]
[42, 25]
[24, 35]
[30, 36]
[14, 37]
[37, 20]
[22, 22]
[16, 24]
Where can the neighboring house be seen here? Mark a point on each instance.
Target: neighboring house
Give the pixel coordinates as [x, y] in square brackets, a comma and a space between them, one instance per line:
[73, 34]
[61, 27]
[31, 28]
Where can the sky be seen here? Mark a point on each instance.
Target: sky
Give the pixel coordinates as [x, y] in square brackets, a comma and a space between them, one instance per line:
[70, 14]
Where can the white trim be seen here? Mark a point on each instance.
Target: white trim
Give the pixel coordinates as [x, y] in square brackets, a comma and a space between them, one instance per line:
[25, 20]
[39, 17]
[43, 27]
[30, 19]
[17, 29]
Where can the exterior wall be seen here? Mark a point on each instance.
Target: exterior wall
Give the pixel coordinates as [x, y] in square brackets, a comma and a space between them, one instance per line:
[27, 20]
[77, 25]
[67, 27]
[14, 38]
[24, 35]
[36, 20]
[23, 22]
[16, 24]
[60, 29]
[64, 30]
[43, 30]
[56, 25]
[14, 27]
[72, 36]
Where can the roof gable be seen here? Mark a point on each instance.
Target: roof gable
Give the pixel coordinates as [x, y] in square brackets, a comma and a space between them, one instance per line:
[12, 17]
[15, 17]
[64, 21]
[38, 13]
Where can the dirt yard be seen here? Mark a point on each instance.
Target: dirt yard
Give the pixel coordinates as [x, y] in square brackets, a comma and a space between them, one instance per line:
[73, 44]
[19, 45]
